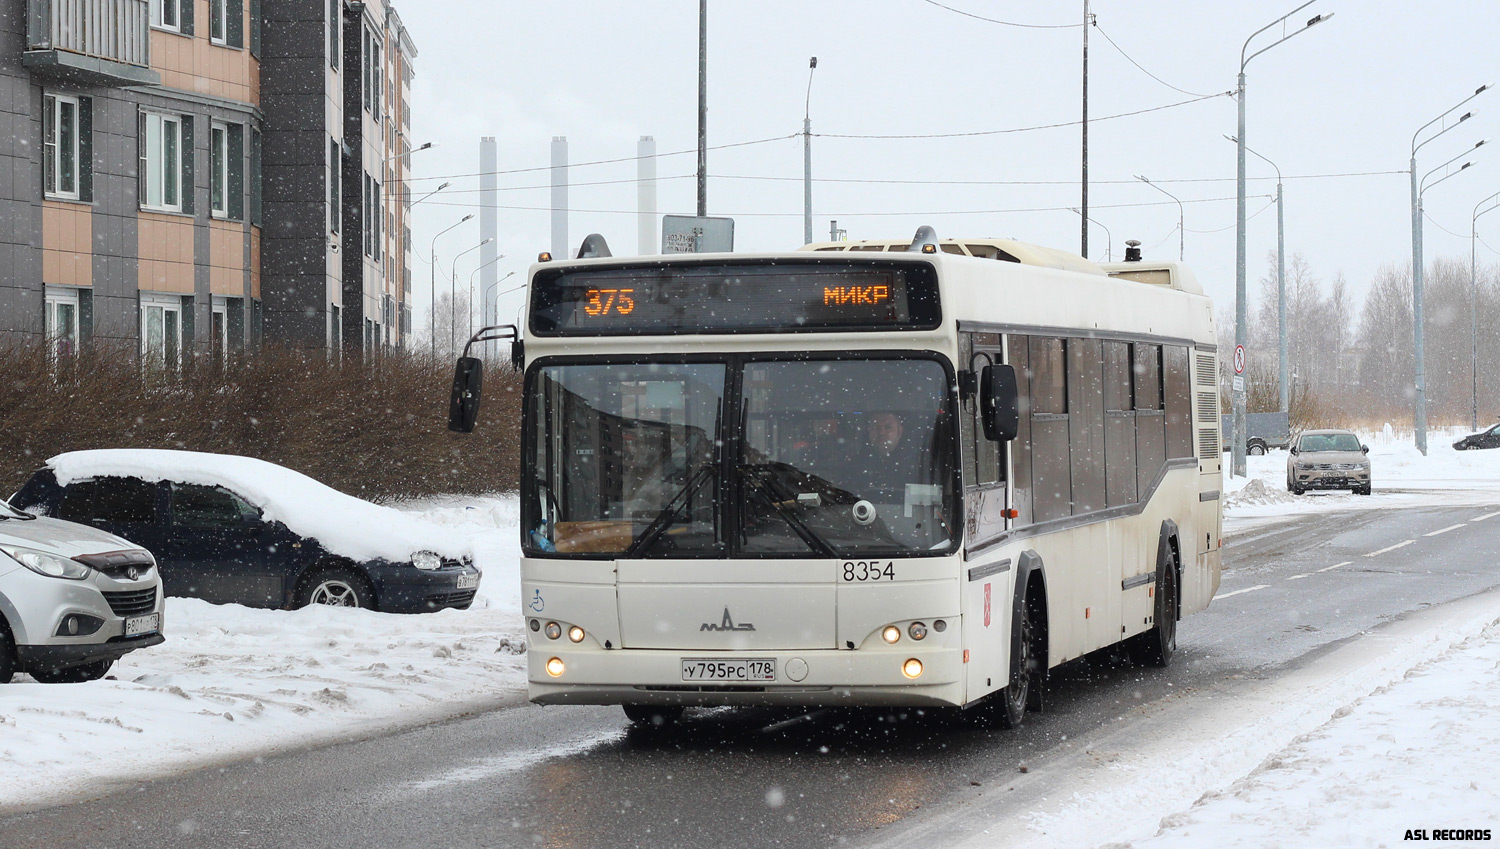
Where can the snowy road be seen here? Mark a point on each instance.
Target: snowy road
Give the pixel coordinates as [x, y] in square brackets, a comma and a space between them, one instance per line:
[1314, 614]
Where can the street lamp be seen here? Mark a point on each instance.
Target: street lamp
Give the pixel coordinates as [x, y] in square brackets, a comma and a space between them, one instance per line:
[1280, 282]
[1473, 321]
[1109, 239]
[807, 156]
[430, 194]
[486, 293]
[1420, 412]
[453, 293]
[471, 288]
[419, 149]
[432, 273]
[1180, 230]
[1237, 437]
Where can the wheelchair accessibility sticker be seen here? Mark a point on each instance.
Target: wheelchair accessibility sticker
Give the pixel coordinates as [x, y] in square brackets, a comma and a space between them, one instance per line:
[536, 602]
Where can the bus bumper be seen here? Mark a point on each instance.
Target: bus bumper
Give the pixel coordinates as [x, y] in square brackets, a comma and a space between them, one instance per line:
[639, 676]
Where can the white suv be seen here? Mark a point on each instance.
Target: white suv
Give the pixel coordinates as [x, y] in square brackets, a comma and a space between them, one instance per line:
[73, 599]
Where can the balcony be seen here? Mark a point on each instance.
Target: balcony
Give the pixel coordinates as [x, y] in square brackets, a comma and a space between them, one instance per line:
[96, 42]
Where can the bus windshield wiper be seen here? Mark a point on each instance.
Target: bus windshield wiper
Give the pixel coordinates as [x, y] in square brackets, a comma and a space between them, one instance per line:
[759, 475]
[703, 474]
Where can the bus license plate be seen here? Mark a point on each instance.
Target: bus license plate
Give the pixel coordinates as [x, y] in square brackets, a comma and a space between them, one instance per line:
[137, 625]
[728, 669]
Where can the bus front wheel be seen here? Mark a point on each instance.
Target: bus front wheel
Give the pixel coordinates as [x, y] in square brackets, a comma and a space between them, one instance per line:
[1011, 702]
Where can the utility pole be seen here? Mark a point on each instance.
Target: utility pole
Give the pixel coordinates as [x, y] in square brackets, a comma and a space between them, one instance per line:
[807, 157]
[703, 108]
[1085, 204]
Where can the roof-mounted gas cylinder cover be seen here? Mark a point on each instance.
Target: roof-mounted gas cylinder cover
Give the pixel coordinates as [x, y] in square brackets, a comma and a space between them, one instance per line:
[926, 241]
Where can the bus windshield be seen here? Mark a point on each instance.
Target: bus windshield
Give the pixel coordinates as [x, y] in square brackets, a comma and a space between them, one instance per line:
[824, 458]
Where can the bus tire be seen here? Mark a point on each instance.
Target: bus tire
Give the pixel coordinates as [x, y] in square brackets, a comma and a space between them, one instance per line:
[654, 716]
[1024, 687]
[1156, 646]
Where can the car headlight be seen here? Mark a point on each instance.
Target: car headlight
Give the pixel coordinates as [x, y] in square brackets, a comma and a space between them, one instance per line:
[427, 560]
[51, 565]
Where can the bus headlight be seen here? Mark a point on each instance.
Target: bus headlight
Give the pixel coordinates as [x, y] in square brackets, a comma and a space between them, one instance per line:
[555, 667]
[917, 630]
[575, 634]
[890, 633]
[912, 668]
[553, 630]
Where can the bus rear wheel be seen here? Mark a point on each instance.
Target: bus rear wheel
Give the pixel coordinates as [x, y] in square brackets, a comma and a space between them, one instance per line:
[654, 716]
[1156, 646]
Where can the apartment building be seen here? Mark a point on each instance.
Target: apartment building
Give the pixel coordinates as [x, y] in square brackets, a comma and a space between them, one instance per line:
[175, 175]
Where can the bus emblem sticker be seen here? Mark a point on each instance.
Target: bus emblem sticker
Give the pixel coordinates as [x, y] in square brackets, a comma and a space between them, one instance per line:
[726, 624]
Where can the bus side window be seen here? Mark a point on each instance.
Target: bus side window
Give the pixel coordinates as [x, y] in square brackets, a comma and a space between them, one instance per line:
[1119, 425]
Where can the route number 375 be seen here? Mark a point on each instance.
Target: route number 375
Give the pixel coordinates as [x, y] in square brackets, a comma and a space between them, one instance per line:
[869, 570]
[605, 301]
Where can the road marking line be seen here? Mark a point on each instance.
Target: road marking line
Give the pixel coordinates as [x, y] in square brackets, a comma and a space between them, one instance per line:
[1443, 530]
[1336, 565]
[1296, 577]
[1485, 516]
[1391, 548]
[1245, 590]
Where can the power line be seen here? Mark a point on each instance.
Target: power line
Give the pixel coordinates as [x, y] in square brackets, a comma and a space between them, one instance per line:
[1140, 66]
[874, 214]
[1269, 204]
[1058, 125]
[694, 151]
[1001, 23]
[871, 181]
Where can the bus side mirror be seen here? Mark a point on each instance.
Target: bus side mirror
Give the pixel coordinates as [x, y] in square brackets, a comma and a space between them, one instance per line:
[518, 355]
[463, 404]
[998, 403]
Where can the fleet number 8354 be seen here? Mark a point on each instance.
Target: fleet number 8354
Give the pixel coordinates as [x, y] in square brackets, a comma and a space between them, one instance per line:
[869, 570]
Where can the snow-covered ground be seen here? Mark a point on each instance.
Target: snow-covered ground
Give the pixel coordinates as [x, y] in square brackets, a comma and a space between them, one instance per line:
[1401, 735]
[233, 682]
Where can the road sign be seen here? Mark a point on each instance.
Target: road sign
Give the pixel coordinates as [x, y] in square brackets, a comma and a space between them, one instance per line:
[687, 234]
[1239, 383]
[1239, 359]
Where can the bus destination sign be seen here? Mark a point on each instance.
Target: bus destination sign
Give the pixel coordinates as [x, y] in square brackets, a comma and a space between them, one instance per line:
[668, 298]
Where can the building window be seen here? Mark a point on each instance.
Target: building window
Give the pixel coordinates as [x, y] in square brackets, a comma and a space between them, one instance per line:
[334, 22]
[372, 74]
[336, 329]
[62, 322]
[218, 15]
[161, 332]
[365, 229]
[218, 330]
[161, 162]
[375, 216]
[335, 185]
[218, 158]
[164, 15]
[60, 145]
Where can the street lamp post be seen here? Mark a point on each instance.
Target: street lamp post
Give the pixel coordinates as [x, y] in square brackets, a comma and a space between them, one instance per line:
[431, 193]
[1237, 435]
[1280, 282]
[432, 272]
[1473, 311]
[484, 296]
[1180, 219]
[481, 267]
[807, 156]
[1419, 413]
[1109, 238]
[453, 293]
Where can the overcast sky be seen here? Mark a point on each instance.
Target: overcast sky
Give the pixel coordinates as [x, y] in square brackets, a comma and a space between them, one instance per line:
[1344, 97]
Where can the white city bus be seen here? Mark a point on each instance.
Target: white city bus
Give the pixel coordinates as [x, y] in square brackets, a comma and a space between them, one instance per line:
[857, 474]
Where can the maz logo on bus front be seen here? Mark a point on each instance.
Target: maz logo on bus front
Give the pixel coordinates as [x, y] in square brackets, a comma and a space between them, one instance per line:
[605, 301]
[841, 295]
[727, 624]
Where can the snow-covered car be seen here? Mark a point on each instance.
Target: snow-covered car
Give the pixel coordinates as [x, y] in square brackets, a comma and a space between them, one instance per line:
[73, 599]
[237, 529]
[1328, 459]
[1483, 439]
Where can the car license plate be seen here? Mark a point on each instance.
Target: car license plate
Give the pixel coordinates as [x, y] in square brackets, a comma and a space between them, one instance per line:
[469, 581]
[137, 625]
[727, 669]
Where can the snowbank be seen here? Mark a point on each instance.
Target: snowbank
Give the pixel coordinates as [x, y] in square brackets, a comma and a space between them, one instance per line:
[342, 523]
[233, 682]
